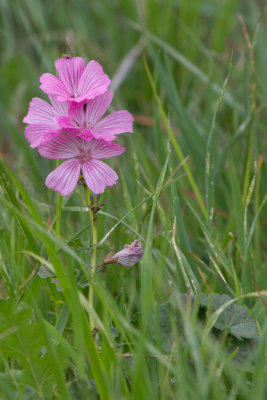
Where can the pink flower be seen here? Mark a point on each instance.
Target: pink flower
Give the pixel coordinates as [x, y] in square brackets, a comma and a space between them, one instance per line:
[43, 121]
[84, 119]
[81, 156]
[76, 82]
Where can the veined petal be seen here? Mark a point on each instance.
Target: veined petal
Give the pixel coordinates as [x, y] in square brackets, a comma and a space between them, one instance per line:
[60, 107]
[50, 84]
[65, 177]
[62, 146]
[113, 124]
[86, 134]
[93, 81]
[49, 135]
[98, 175]
[97, 107]
[70, 71]
[104, 136]
[77, 113]
[36, 133]
[66, 122]
[101, 149]
[40, 112]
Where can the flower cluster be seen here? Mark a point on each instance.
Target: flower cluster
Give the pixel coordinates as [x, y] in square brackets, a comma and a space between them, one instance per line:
[72, 126]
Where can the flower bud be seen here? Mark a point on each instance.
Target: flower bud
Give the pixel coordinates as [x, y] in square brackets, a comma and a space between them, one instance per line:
[127, 257]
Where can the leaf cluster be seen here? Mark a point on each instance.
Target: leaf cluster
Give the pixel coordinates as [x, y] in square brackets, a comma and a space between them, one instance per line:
[234, 327]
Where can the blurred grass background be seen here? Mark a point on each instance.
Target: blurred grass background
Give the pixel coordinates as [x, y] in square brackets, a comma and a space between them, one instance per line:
[180, 53]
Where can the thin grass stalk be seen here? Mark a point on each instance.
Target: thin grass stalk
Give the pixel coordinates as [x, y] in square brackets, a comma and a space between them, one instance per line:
[209, 172]
[249, 141]
[257, 235]
[175, 144]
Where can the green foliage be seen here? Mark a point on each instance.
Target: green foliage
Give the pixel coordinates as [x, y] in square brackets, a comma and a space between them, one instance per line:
[24, 345]
[233, 319]
[191, 187]
[233, 326]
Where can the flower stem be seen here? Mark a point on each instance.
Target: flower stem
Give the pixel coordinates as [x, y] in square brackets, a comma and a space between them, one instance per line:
[58, 210]
[93, 251]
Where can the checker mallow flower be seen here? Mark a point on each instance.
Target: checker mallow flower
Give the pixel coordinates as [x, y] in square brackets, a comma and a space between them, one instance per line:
[73, 127]
[85, 121]
[76, 82]
[81, 156]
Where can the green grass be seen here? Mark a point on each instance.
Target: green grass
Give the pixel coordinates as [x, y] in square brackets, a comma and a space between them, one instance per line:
[192, 187]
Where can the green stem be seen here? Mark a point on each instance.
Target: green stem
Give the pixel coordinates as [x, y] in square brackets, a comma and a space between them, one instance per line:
[93, 251]
[58, 219]
[58, 210]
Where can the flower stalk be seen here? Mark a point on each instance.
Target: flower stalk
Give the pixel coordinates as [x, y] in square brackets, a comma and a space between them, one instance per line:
[73, 127]
[93, 221]
[58, 212]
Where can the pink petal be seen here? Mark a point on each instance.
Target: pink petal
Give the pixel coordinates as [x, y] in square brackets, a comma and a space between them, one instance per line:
[93, 82]
[60, 107]
[106, 137]
[65, 177]
[40, 112]
[63, 146]
[49, 135]
[66, 122]
[70, 127]
[52, 85]
[86, 134]
[97, 107]
[77, 113]
[113, 124]
[98, 175]
[35, 133]
[70, 71]
[102, 149]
